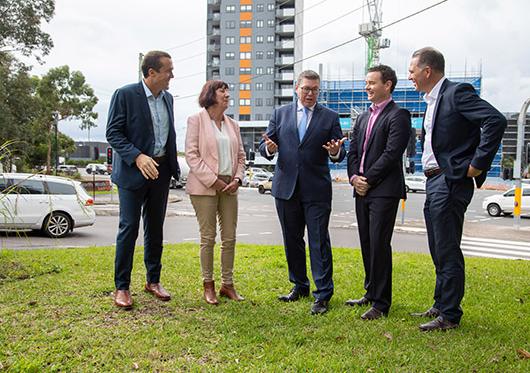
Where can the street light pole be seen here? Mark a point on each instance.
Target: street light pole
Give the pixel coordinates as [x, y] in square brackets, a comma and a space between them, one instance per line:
[140, 59]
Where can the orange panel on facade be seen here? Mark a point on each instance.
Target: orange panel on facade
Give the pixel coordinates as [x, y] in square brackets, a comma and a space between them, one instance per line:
[245, 47]
[245, 2]
[245, 78]
[245, 16]
[244, 110]
[244, 94]
[245, 32]
[245, 63]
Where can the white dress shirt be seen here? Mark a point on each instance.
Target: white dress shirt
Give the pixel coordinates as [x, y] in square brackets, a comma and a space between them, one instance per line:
[428, 160]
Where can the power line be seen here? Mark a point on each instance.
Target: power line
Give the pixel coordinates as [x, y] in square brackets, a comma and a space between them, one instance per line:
[330, 22]
[341, 44]
[187, 43]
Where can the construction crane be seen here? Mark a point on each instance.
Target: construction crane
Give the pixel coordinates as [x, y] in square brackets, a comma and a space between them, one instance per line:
[371, 31]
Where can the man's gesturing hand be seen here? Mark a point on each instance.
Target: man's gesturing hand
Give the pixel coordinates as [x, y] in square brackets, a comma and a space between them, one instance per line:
[271, 145]
[333, 146]
[147, 166]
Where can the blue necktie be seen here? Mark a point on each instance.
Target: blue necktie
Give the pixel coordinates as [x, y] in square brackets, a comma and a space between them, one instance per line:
[302, 127]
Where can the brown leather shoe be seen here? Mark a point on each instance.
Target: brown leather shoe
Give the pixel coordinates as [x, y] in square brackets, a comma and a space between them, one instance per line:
[209, 293]
[158, 291]
[438, 323]
[123, 299]
[431, 313]
[372, 314]
[227, 290]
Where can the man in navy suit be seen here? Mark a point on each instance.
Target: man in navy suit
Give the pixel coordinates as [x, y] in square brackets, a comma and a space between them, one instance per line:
[140, 130]
[306, 135]
[461, 134]
[375, 169]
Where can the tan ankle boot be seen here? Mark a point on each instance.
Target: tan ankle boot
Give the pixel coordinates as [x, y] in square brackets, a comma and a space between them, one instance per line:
[209, 293]
[227, 290]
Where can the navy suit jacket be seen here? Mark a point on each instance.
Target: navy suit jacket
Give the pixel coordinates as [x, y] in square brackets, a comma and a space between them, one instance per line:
[467, 130]
[306, 162]
[130, 133]
[383, 162]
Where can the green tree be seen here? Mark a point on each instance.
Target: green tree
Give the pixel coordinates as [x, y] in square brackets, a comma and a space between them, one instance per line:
[67, 95]
[19, 108]
[20, 26]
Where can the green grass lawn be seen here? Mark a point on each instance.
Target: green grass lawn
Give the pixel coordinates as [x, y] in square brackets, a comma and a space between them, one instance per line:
[56, 314]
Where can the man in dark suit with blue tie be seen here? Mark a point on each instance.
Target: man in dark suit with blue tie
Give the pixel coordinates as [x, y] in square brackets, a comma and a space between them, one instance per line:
[461, 135]
[306, 135]
[140, 130]
[375, 169]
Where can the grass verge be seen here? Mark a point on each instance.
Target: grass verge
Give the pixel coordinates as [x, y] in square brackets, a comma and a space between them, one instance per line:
[56, 314]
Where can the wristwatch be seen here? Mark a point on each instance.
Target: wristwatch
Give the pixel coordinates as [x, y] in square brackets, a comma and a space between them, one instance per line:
[238, 180]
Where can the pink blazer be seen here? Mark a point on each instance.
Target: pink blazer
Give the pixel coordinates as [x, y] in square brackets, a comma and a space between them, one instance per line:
[202, 155]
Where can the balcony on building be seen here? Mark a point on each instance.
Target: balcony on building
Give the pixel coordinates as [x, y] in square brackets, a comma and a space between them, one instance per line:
[285, 44]
[283, 92]
[285, 29]
[215, 62]
[214, 4]
[214, 48]
[285, 13]
[285, 60]
[214, 17]
[285, 76]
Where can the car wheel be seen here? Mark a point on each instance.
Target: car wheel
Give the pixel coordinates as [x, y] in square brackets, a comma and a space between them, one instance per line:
[407, 189]
[57, 225]
[494, 209]
[261, 189]
[88, 171]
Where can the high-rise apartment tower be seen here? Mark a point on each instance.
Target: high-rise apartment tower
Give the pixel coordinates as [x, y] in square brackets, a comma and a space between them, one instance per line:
[252, 45]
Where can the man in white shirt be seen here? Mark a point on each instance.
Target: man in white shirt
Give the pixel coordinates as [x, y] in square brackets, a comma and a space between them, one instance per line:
[461, 134]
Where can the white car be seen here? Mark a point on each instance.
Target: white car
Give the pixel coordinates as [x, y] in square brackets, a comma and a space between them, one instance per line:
[51, 204]
[504, 203]
[96, 168]
[415, 183]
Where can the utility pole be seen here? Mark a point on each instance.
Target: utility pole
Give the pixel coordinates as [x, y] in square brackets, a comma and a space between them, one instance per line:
[371, 31]
[56, 123]
[140, 59]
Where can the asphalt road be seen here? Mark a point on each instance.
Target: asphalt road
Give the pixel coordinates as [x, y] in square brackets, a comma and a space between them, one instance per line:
[258, 224]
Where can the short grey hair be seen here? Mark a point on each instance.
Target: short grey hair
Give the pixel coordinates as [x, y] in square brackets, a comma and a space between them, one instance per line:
[307, 74]
[431, 57]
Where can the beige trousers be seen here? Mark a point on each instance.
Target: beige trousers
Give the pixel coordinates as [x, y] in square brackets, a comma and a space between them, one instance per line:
[207, 209]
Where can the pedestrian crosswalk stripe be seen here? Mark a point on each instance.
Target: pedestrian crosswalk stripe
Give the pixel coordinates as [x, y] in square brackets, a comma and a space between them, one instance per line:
[492, 248]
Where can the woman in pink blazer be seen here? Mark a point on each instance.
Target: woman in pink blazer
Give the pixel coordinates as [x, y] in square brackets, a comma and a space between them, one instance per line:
[215, 155]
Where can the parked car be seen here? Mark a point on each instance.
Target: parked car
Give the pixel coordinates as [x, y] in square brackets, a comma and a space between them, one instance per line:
[257, 170]
[67, 169]
[254, 179]
[96, 168]
[415, 183]
[504, 203]
[265, 186]
[54, 205]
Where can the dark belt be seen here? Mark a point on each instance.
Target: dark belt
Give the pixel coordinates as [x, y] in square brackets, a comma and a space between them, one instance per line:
[430, 172]
[160, 159]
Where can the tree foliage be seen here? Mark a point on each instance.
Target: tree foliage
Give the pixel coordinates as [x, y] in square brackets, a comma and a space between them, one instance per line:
[20, 28]
[67, 95]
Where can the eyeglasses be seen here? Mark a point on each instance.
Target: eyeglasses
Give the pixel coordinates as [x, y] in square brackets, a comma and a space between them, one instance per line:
[306, 90]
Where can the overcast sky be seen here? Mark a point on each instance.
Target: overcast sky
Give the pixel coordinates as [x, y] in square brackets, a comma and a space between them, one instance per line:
[102, 39]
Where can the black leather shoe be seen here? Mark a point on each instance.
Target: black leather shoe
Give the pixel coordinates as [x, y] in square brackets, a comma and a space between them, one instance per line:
[358, 302]
[438, 323]
[294, 295]
[373, 314]
[319, 307]
[431, 313]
